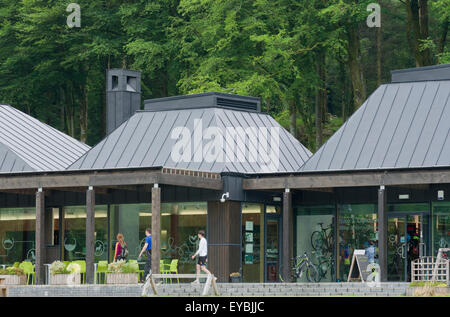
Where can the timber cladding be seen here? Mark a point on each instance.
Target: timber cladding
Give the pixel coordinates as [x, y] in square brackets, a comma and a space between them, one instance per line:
[224, 238]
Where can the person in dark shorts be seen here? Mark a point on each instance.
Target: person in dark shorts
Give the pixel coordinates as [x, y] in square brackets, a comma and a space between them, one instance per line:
[202, 253]
[148, 252]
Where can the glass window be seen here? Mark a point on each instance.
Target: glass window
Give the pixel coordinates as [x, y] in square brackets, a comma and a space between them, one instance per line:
[408, 207]
[17, 235]
[75, 233]
[131, 220]
[357, 229]
[253, 243]
[440, 226]
[180, 223]
[315, 236]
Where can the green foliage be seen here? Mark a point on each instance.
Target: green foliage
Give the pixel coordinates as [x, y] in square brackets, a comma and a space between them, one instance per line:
[12, 271]
[261, 48]
[58, 267]
[430, 284]
[122, 266]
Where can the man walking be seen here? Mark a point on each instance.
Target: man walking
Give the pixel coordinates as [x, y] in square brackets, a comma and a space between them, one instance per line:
[148, 251]
[202, 253]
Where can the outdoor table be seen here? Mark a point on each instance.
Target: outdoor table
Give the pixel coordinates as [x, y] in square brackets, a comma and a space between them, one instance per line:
[3, 266]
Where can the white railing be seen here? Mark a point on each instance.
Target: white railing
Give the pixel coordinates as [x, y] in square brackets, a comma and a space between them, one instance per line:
[431, 269]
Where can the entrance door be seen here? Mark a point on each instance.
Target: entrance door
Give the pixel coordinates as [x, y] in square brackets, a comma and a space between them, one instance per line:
[273, 244]
[407, 240]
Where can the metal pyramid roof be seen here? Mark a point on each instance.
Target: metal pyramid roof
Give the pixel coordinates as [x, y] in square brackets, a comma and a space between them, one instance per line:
[26, 144]
[145, 141]
[401, 125]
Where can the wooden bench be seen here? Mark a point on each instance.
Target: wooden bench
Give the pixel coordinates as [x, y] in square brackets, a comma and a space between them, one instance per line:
[150, 281]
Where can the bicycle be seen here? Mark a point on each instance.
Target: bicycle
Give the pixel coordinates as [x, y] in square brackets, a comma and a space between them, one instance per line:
[323, 239]
[303, 265]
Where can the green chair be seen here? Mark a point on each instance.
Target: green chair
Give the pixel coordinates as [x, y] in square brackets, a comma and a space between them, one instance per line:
[82, 265]
[66, 263]
[173, 268]
[102, 267]
[16, 264]
[141, 272]
[163, 269]
[27, 268]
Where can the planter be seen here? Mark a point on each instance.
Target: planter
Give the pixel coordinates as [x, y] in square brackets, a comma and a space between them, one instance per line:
[235, 279]
[65, 279]
[427, 291]
[122, 278]
[14, 279]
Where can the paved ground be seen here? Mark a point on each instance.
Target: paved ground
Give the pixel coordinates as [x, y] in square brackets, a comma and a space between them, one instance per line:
[225, 289]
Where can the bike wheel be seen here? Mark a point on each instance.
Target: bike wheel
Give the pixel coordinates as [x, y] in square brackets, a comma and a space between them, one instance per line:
[312, 274]
[317, 240]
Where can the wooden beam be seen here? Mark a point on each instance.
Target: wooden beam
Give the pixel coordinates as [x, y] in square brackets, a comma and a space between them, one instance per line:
[68, 180]
[156, 229]
[354, 179]
[98, 190]
[40, 237]
[90, 235]
[191, 181]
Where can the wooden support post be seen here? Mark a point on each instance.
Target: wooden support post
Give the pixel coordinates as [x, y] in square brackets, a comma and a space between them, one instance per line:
[40, 237]
[287, 236]
[90, 234]
[382, 233]
[156, 228]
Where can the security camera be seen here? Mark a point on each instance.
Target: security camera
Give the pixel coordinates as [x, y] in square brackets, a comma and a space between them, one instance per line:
[224, 196]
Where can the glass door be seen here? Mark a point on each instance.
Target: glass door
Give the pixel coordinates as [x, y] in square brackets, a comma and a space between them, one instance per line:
[407, 241]
[396, 248]
[272, 249]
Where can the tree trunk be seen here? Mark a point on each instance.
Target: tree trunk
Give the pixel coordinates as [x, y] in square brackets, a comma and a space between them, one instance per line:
[84, 113]
[292, 118]
[379, 52]
[321, 97]
[418, 26]
[355, 67]
[443, 38]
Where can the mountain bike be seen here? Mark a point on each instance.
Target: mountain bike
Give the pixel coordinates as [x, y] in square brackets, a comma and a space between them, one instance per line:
[303, 265]
[322, 240]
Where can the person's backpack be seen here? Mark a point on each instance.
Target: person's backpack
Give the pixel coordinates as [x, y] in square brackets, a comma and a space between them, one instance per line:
[124, 253]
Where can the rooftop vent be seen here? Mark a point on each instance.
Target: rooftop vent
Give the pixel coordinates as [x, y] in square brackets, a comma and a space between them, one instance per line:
[205, 100]
[438, 72]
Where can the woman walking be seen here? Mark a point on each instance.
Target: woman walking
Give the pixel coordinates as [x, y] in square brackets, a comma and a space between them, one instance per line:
[121, 252]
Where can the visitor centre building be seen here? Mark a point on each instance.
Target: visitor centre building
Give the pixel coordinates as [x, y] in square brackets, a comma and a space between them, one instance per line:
[216, 162]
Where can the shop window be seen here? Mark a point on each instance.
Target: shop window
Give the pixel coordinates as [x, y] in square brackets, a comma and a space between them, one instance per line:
[74, 238]
[314, 229]
[17, 235]
[357, 229]
[440, 226]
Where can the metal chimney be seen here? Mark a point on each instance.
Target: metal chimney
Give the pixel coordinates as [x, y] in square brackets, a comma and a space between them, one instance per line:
[123, 96]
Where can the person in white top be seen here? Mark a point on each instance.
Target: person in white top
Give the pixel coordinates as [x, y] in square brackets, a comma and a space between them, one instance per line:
[202, 253]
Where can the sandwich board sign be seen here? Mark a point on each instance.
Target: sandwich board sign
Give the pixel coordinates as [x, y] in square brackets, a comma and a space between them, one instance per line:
[359, 267]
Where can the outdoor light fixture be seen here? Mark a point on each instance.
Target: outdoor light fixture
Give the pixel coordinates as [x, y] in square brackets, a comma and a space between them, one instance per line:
[276, 198]
[403, 196]
[224, 197]
[440, 195]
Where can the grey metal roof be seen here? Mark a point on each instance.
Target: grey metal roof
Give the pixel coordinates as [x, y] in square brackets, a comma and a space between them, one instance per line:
[401, 125]
[26, 144]
[145, 141]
